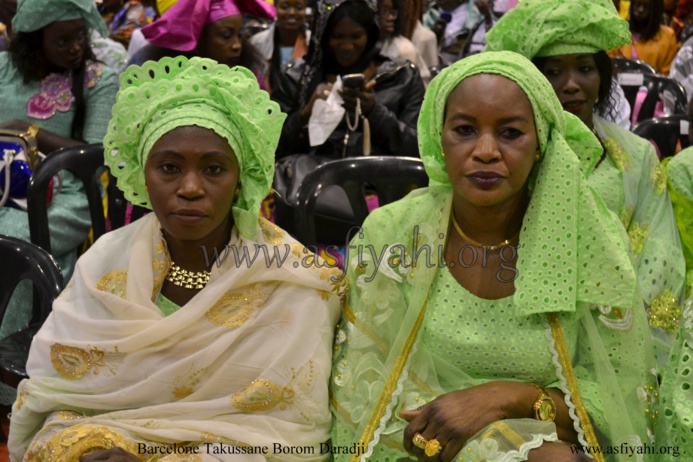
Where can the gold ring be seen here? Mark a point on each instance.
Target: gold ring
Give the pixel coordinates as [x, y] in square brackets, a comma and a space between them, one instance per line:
[432, 447]
[419, 441]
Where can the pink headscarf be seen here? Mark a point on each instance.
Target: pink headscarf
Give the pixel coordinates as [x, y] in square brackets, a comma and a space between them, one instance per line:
[180, 27]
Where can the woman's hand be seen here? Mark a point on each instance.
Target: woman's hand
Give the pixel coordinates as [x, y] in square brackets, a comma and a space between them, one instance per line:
[109, 455]
[367, 97]
[321, 92]
[455, 417]
[550, 452]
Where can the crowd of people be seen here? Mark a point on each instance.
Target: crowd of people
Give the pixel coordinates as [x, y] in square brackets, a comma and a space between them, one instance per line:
[533, 302]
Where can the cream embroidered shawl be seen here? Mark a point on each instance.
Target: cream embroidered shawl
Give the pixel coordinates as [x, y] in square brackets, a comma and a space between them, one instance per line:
[245, 363]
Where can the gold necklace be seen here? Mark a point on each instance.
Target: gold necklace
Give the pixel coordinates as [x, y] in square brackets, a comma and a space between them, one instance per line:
[187, 279]
[479, 244]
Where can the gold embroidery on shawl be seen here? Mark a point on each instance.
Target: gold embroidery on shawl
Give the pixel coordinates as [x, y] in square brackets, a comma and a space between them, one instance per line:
[388, 390]
[659, 179]
[68, 415]
[617, 153]
[160, 267]
[71, 443]
[233, 309]
[573, 388]
[262, 395]
[324, 294]
[114, 283]
[338, 281]
[74, 363]
[20, 401]
[500, 427]
[298, 250]
[185, 384]
[271, 233]
[638, 235]
[665, 312]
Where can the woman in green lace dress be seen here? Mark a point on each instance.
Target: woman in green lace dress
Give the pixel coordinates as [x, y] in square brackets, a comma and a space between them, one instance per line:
[568, 41]
[493, 315]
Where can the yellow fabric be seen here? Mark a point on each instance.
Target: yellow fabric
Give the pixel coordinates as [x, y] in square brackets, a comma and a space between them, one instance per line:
[659, 52]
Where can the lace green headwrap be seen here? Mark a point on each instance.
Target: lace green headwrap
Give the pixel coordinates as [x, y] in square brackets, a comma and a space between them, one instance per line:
[536, 28]
[33, 15]
[568, 237]
[174, 92]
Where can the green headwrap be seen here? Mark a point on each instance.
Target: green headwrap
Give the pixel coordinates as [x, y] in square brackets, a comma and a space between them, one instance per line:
[568, 236]
[33, 15]
[537, 28]
[174, 92]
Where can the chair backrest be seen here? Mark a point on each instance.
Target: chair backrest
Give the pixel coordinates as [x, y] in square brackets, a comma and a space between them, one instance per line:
[120, 211]
[658, 87]
[621, 64]
[86, 162]
[20, 260]
[666, 132]
[391, 177]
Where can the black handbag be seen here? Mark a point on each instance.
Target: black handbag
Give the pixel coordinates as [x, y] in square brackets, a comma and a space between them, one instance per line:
[334, 215]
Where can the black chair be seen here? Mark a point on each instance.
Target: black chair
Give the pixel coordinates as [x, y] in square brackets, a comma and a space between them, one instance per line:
[658, 87]
[118, 206]
[621, 64]
[20, 260]
[391, 178]
[86, 162]
[665, 132]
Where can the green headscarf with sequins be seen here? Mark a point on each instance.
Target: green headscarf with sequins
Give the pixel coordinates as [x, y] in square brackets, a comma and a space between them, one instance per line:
[33, 15]
[537, 28]
[174, 92]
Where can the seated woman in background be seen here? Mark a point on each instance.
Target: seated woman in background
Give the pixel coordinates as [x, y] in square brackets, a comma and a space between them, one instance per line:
[49, 79]
[567, 42]
[393, 43]
[345, 34]
[288, 36]
[504, 317]
[164, 337]
[207, 29]
[423, 38]
[651, 41]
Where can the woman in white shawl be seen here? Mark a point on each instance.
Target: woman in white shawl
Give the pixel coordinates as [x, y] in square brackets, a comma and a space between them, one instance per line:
[171, 341]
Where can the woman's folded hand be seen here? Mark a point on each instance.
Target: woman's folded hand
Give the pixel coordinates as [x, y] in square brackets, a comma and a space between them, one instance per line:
[109, 455]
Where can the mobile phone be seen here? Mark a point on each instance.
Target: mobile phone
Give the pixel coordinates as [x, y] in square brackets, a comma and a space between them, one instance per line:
[357, 81]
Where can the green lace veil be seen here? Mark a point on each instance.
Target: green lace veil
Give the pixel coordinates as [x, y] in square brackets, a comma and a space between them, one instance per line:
[173, 92]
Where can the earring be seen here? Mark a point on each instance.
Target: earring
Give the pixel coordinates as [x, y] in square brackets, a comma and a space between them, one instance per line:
[442, 154]
[536, 158]
[238, 191]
